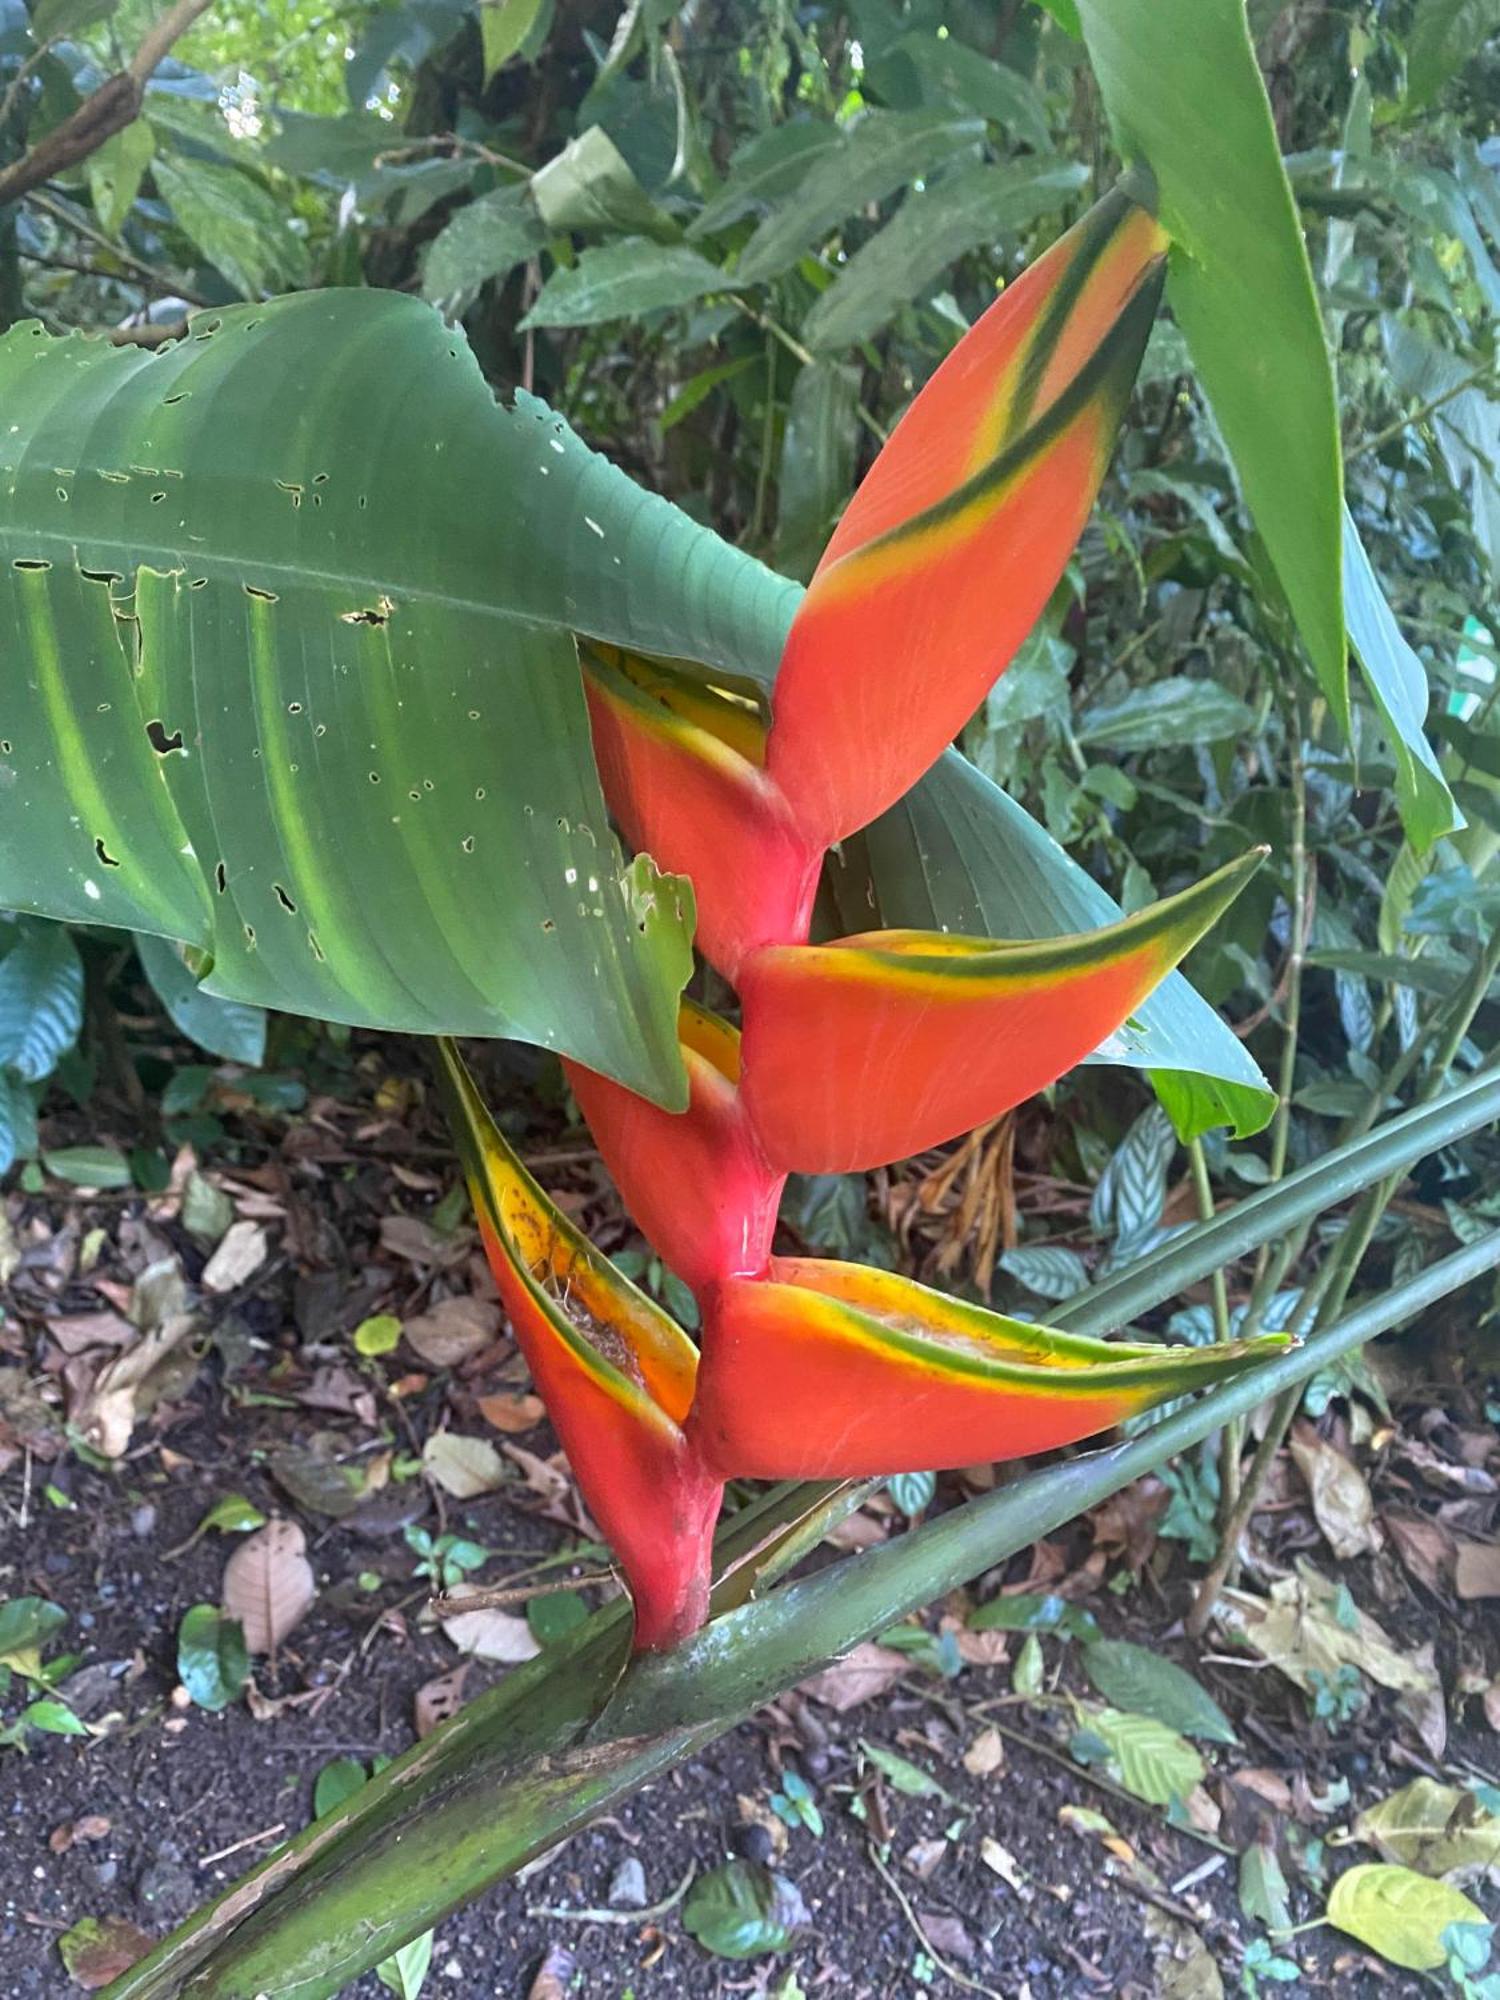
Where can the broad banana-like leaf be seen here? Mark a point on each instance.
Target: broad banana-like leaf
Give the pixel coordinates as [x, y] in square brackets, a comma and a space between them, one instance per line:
[951, 547]
[291, 677]
[874, 1047]
[681, 768]
[843, 1371]
[695, 1182]
[615, 1373]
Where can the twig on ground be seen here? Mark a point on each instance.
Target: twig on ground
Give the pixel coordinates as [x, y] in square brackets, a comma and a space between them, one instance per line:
[945, 1965]
[652, 1911]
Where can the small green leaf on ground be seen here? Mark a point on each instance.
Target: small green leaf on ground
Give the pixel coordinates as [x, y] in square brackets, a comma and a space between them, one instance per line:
[1029, 1612]
[1151, 1760]
[212, 1662]
[378, 1334]
[1027, 1674]
[232, 1515]
[336, 1782]
[1133, 1677]
[554, 1616]
[742, 1910]
[28, 1621]
[904, 1775]
[89, 1166]
[1399, 1913]
[55, 1717]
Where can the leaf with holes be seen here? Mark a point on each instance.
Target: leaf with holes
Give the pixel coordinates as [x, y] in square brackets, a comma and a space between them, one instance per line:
[204, 768]
[41, 1001]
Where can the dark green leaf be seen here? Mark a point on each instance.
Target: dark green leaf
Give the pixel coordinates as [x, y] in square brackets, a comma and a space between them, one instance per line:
[1135, 1678]
[1171, 711]
[28, 1621]
[554, 1616]
[1444, 33]
[1184, 94]
[621, 280]
[913, 1491]
[817, 462]
[766, 168]
[1046, 1269]
[89, 1166]
[54, 20]
[1025, 1611]
[225, 1028]
[238, 226]
[212, 1662]
[999, 95]
[882, 151]
[742, 1910]
[485, 239]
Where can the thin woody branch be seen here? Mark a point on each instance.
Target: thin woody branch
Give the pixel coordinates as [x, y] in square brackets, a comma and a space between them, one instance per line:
[104, 112]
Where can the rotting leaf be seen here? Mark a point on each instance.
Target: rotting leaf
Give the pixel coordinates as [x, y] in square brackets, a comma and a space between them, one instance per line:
[463, 1466]
[1435, 1829]
[490, 1635]
[1340, 1494]
[861, 1675]
[436, 1700]
[98, 1949]
[453, 1330]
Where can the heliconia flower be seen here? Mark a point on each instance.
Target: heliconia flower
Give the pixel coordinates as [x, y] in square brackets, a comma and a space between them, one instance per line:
[615, 1372]
[959, 533]
[681, 768]
[875, 1047]
[836, 1371]
[695, 1182]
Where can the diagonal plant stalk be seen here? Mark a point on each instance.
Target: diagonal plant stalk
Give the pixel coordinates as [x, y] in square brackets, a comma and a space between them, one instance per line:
[578, 1730]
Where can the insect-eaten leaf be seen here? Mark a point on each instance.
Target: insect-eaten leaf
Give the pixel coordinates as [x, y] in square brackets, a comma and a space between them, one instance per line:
[742, 1910]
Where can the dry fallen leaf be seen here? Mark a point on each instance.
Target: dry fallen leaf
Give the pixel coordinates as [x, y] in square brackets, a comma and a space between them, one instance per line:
[1476, 1572]
[1425, 1546]
[490, 1635]
[241, 1252]
[452, 1331]
[946, 1935]
[859, 1676]
[1000, 1861]
[513, 1414]
[1340, 1495]
[419, 1243]
[985, 1755]
[1307, 1626]
[269, 1584]
[438, 1699]
[463, 1466]
[75, 1333]
[72, 1832]
[1436, 1829]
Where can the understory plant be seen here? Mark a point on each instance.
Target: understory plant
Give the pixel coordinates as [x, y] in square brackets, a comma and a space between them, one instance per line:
[329, 675]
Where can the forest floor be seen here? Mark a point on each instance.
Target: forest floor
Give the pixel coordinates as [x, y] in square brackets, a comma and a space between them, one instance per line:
[165, 1355]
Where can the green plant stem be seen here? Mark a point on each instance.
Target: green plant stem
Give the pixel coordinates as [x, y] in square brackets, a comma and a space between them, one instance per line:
[570, 1735]
[808, 359]
[1230, 1440]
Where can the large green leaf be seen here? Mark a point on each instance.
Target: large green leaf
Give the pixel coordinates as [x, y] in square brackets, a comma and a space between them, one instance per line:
[485, 239]
[932, 228]
[1180, 83]
[1444, 34]
[292, 681]
[618, 280]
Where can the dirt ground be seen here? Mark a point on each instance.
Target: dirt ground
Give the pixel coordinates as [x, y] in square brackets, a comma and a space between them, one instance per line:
[1027, 1873]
